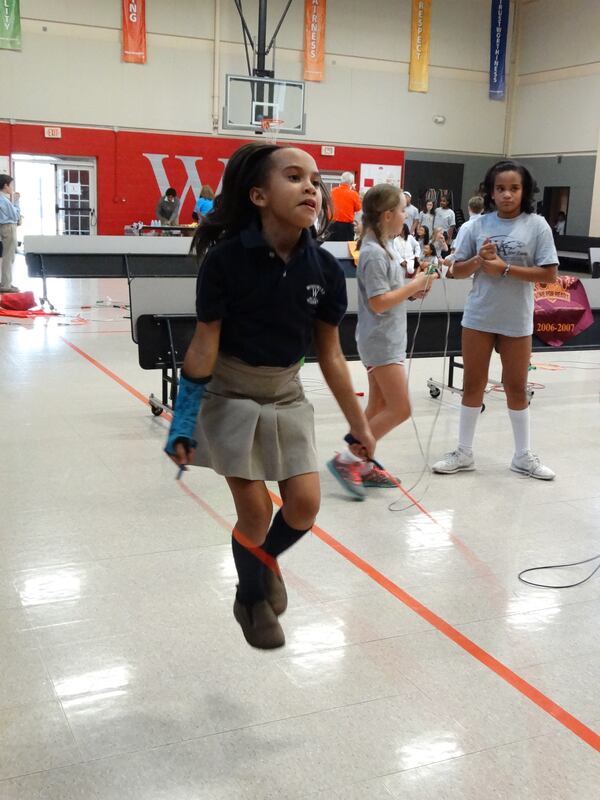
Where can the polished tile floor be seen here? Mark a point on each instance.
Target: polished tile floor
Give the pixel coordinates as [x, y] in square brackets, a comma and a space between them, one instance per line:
[416, 666]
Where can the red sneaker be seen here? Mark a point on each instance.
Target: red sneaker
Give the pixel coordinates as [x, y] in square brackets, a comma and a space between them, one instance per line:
[348, 475]
[377, 478]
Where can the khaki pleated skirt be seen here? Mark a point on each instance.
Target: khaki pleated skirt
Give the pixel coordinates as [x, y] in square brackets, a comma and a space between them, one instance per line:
[255, 423]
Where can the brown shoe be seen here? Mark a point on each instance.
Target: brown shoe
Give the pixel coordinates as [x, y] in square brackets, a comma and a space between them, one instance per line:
[259, 625]
[275, 591]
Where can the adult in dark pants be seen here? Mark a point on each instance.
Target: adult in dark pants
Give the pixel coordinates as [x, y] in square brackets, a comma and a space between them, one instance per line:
[346, 203]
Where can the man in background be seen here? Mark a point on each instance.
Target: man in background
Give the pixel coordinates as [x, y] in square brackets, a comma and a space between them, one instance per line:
[346, 203]
[10, 217]
[167, 209]
[412, 214]
[475, 210]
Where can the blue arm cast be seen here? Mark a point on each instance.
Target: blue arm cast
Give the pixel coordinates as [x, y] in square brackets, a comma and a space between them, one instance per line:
[189, 398]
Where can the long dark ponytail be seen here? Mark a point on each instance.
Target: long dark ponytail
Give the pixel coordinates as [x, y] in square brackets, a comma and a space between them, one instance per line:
[233, 209]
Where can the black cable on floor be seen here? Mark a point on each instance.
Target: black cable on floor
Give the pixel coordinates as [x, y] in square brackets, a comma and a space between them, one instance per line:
[560, 566]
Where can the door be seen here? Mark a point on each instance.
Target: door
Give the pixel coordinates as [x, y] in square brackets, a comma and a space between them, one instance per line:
[555, 207]
[75, 198]
[331, 179]
[35, 181]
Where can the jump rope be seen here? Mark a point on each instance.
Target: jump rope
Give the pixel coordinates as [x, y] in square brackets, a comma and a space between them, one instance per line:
[426, 452]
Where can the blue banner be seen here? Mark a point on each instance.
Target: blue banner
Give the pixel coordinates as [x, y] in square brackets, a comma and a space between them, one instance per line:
[499, 33]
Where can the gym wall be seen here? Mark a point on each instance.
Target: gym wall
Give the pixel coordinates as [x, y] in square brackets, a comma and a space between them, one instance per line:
[132, 164]
[556, 116]
[69, 70]
[557, 109]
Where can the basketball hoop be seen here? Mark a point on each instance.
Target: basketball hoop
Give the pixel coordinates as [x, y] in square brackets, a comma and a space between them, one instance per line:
[271, 128]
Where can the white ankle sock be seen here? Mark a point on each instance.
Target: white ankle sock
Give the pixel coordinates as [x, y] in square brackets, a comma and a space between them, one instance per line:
[520, 425]
[466, 427]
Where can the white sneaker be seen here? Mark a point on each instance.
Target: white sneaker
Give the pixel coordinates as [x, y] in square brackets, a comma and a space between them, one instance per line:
[530, 464]
[455, 461]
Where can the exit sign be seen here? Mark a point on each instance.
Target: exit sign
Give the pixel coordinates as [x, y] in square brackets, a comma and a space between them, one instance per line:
[52, 133]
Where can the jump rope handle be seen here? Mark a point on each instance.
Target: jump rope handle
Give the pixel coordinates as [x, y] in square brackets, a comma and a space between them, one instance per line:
[349, 439]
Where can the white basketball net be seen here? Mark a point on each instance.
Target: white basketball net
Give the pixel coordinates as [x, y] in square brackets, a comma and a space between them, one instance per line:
[271, 128]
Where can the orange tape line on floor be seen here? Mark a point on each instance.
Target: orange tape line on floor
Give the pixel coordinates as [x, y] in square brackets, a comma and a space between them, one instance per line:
[543, 702]
[106, 371]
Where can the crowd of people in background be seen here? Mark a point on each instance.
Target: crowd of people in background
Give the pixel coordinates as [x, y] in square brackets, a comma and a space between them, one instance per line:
[430, 232]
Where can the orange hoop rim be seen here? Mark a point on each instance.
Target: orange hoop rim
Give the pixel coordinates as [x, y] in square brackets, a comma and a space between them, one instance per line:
[267, 123]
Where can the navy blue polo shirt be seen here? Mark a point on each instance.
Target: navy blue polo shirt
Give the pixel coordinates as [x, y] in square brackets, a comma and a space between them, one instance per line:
[267, 307]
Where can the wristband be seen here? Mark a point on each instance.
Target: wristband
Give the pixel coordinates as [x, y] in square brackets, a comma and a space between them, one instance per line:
[190, 393]
[506, 270]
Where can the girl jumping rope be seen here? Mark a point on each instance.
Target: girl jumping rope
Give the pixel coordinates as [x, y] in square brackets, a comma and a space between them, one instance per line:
[264, 288]
[507, 250]
[381, 332]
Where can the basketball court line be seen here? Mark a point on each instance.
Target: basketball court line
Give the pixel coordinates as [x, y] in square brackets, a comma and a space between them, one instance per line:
[545, 703]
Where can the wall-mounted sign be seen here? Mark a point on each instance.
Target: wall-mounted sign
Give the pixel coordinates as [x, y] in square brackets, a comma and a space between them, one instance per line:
[372, 174]
[52, 133]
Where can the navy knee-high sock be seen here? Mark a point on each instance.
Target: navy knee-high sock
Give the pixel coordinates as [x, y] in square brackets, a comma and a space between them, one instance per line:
[281, 536]
[250, 570]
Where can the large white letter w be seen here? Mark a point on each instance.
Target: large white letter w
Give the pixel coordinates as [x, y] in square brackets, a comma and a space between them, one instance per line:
[193, 183]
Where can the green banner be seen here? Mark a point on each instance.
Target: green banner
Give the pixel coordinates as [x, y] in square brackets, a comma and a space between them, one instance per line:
[10, 25]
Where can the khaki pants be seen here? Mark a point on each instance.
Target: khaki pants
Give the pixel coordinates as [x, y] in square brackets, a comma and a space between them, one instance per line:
[8, 237]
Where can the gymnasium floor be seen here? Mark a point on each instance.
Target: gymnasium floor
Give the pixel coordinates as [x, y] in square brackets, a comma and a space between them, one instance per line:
[416, 666]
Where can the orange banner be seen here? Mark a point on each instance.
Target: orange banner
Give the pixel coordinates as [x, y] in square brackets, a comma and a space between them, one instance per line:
[418, 71]
[134, 31]
[315, 12]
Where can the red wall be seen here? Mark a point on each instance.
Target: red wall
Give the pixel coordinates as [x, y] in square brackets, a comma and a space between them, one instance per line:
[126, 184]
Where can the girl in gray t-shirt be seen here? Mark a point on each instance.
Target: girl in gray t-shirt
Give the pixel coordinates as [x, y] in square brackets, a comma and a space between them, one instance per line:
[506, 251]
[381, 331]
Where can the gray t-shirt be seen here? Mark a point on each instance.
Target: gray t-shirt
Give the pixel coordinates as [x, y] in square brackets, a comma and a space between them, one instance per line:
[168, 210]
[412, 213]
[381, 338]
[462, 231]
[443, 218]
[426, 219]
[503, 304]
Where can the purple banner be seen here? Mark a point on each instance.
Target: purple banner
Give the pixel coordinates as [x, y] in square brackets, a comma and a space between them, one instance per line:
[498, 37]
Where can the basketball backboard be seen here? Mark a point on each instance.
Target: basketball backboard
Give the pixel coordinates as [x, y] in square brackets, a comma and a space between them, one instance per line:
[249, 99]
